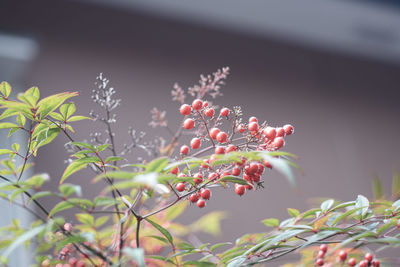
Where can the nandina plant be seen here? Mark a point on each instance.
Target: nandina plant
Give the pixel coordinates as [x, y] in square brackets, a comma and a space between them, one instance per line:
[132, 221]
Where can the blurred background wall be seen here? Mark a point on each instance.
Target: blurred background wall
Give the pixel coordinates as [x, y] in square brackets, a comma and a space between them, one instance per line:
[332, 70]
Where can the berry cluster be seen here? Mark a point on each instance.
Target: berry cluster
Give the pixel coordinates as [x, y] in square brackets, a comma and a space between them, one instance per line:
[208, 127]
[342, 257]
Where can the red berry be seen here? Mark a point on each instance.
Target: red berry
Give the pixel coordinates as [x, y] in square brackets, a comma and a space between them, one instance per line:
[253, 119]
[209, 112]
[323, 248]
[181, 175]
[260, 168]
[278, 142]
[236, 171]
[288, 129]
[188, 124]
[368, 257]
[280, 132]
[180, 187]
[174, 170]
[219, 150]
[67, 227]
[342, 255]
[247, 177]
[72, 261]
[248, 186]
[269, 133]
[212, 176]
[214, 132]
[198, 178]
[205, 193]
[253, 167]
[222, 137]
[255, 177]
[319, 262]
[253, 126]
[205, 164]
[363, 263]
[80, 263]
[267, 164]
[197, 104]
[224, 112]
[352, 262]
[185, 109]
[376, 263]
[239, 189]
[184, 150]
[195, 143]
[241, 128]
[321, 254]
[201, 203]
[193, 198]
[230, 148]
[205, 104]
[225, 174]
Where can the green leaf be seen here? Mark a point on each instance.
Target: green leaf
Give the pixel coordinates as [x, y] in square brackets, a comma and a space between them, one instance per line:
[272, 222]
[237, 262]
[85, 145]
[109, 159]
[78, 118]
[157, 165]
[209, 223]
[282, 166]
[8, 125]
[214, 247]
[162, 231]
[56, 116]
[21, 120]
[77, 165]
[363, 202]
[102, 147]
[377, 188]
[68, 189]
[60, 207]
[8, 113]
[85, 218]
[51, 103]
[346, 214]
[101, 220]
[45, 137]
[40, 195]
[28, 235]
[78, 239]
[67, 110]
[396, 205]
[5, 89]
[326, 205]
[233, 179]
[5, 151]
[30, 97]
[293, 212]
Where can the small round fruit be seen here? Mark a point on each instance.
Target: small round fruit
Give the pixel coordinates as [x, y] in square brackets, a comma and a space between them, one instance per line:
[205, 104]
[248, 186]
[253, 167]
[222, 137]
[241, 128]
[253, 126]
[352, 262]
[219, 150]
[174, 170]
[180, 187]
[288, 129]
[253, 119]
[269, 133]
[239, 189]
[205, 193]
[323, 248]
[342, 255]
[184, 150]
[376, 263]
[319, 262]
[195, 143]
[193, 198]
[198, 178]
[267, 164]
[278, 142]
[280, 132]
[368, 257]
[72, 261]
[209, 112]
[201, 203]
[185, 109]
[214, 132]
[363, 263]
[230, 148]
[80, 263]
[212, 176]
[188, 124]
[236, 171]
[67, 227]
[224, 112]
[197, 104]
